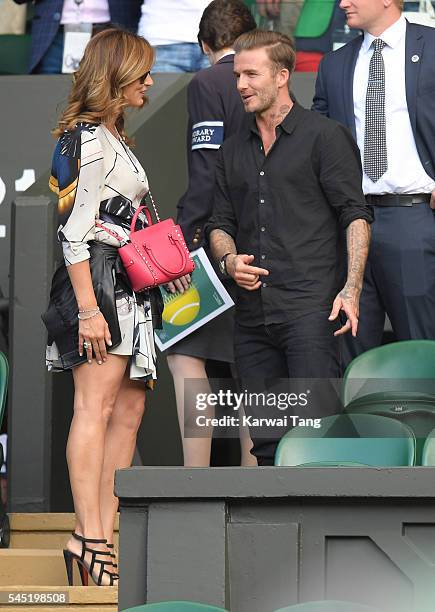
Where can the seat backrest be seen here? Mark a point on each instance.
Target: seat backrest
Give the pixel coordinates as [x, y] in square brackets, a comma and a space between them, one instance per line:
[428, 454]
[398, 362]
[314, 18]
[418, 413]
[176, 606]
[348, 440]
[329, 606]
[4, 377]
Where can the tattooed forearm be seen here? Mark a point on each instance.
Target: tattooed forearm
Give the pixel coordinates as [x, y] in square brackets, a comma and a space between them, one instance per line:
[358, 241]
[221, 243]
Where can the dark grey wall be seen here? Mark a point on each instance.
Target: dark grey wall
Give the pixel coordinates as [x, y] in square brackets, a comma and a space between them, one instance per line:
[258, 539]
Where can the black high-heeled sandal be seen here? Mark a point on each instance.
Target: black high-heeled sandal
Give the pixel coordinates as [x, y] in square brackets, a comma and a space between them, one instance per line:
[86, 568]
[112, 554]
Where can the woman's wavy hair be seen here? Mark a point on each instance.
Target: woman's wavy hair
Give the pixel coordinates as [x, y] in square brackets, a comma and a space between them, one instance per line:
[113, 59]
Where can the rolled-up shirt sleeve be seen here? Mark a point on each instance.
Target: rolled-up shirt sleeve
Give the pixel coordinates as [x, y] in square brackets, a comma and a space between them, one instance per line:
[77, 178]
[223, 217]
[341, 175]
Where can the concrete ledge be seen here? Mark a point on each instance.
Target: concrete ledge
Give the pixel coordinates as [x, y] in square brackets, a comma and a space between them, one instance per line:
[151, 483]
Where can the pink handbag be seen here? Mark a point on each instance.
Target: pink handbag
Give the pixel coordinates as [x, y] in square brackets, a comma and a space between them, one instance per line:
[154, 255]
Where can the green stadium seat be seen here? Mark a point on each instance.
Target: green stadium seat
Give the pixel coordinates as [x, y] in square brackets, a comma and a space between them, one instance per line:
[315, 18]
[396, 367]
[4, 519]
[348, 441]
[428, 454]
[4, 377]
[175, 606]
[14, 53]
[417, 411]
[328, 606]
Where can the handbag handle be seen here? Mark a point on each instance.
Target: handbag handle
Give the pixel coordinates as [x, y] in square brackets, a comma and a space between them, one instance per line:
[181, 250]
[139, 209]
[147, 213]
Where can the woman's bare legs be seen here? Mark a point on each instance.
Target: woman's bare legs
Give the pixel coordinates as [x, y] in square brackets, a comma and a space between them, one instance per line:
[96, 389]
[196, 451]
[246, 444]
[120, 445]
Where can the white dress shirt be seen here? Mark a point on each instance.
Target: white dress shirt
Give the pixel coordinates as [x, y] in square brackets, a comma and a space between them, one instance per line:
[167, 22]
[405, 173]
[89, 11]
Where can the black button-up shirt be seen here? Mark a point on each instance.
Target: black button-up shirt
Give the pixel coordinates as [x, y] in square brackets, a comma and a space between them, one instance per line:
[288, 209]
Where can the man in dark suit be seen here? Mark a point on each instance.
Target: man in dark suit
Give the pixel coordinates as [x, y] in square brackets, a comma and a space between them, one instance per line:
[381, 85]
[47, 31]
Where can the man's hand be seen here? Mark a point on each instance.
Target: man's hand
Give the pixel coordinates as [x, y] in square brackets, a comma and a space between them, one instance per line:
[245, 275]
[347, 301]
[432, 200]
[358, 240]
[269, 8]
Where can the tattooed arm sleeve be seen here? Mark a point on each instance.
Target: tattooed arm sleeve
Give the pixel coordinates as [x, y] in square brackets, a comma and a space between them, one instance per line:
[221, 243]
[358, 241]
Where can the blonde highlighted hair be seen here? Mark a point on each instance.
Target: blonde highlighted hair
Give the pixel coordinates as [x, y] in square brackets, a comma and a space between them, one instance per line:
[113, 59]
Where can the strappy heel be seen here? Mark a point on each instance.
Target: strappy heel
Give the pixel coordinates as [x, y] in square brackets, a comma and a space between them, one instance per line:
[112, 554]
[86, 568]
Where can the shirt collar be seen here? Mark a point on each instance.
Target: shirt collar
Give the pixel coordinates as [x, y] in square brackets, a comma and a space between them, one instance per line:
[288, 124]
[391, 36]
[228, 57]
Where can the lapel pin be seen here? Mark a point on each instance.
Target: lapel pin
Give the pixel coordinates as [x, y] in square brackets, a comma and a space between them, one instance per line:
[415, 58]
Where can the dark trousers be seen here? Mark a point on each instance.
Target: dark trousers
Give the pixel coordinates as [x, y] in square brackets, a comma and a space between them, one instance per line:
[267, 356]
[399, 279]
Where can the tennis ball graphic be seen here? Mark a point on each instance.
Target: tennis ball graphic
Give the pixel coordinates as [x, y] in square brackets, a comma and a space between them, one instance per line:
[182, 308]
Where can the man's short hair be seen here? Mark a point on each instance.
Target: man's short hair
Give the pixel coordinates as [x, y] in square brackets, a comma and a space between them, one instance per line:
[223, 21]
[279, 47]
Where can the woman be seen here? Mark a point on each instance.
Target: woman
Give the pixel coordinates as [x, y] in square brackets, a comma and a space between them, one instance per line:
[97, 326]
[214, 102]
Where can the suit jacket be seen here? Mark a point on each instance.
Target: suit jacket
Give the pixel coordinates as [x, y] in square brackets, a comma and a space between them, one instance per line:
[334, 88]
[47, 15]
[215, 113]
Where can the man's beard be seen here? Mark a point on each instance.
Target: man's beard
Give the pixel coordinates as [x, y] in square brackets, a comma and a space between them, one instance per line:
[267, 99]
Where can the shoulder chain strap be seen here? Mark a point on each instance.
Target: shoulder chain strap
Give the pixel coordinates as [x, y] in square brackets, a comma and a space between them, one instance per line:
[153, 205]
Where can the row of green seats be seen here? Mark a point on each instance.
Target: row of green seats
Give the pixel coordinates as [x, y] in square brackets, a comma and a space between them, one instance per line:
[314, 606]
[397, 381]
[389, 398]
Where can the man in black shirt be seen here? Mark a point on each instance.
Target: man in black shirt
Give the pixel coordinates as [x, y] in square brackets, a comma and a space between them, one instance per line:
[286, 188]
